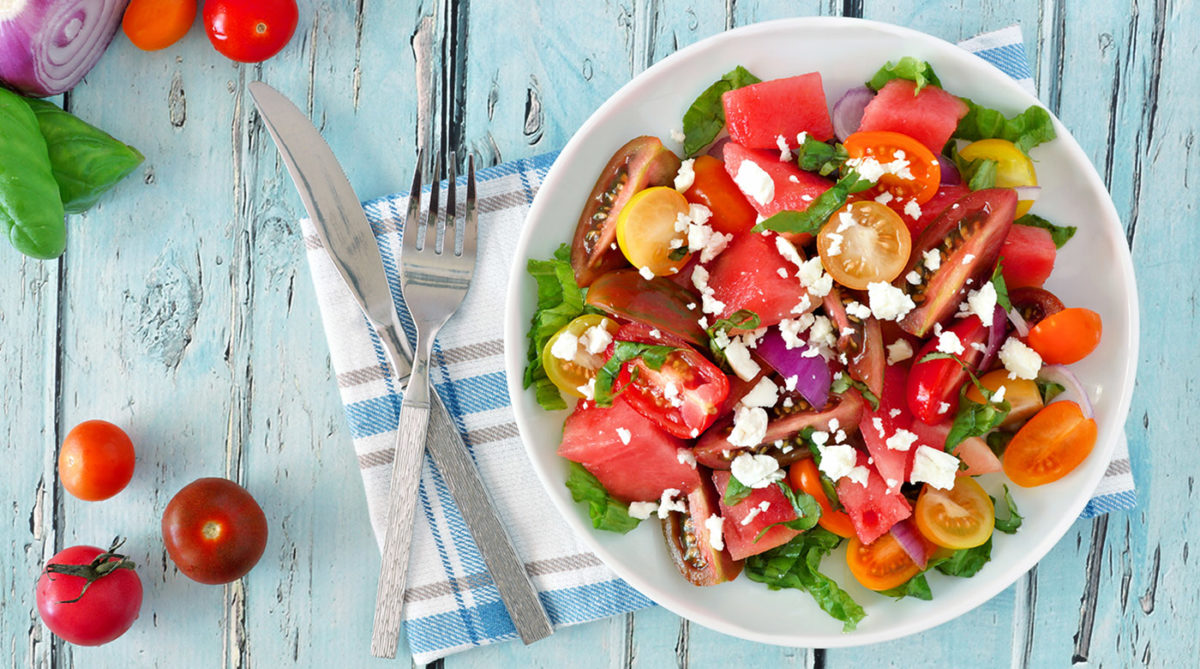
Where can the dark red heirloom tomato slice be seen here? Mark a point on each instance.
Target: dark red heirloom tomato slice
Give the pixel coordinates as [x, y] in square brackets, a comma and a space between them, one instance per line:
[1035, 304]
[689, 539]
[659, 302]
[214, 531]
[861, 341]
[682, 397]
[732, 213]
[933, 385]
[643, 162]
[966, 237]
[102, 612]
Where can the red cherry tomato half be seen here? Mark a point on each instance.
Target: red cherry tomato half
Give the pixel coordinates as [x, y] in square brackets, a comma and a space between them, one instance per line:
[250, 31]
[933, 385]
[97, 615]
[96, 460]
[214, 531]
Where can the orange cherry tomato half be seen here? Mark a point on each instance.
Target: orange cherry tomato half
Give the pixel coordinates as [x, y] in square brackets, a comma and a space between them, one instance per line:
[1067, 336]
[96, 460]
[1021, 394]
[881, 564]
[732, 213]
[961, 517]
[923, 175]
[157, 24]
[803, 475]
[1050, 445]
[862, 243]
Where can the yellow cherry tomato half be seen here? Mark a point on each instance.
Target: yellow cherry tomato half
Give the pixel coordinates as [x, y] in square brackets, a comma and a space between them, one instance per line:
[1021, 394]
[575, 353]
[1013, 167]
[647, 232]
[961, 517]
[864, 242]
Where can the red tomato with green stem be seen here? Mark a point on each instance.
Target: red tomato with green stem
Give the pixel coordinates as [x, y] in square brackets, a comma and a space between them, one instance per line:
[89, 596]
[250, 31]
[214, 531]
[96, 460]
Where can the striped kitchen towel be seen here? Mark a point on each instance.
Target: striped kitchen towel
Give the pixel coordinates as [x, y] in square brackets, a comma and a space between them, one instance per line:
[451, 603]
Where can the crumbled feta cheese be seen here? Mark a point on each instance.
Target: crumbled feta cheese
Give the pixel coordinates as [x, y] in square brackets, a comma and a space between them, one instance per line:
[699, 213]
[981, 302]
[888, 302]
[859, 475]
[933, 260]
[716, 531]
[738, 357]
[834, 424]
[613, 246]
[948, 342]
[998, 395]
[764, 505]
[721, 338]
[655, 333]
[837, 461]
[691, 306]
[668, 503]
[709, 304]
[677, 135]
[899, 351]
[642, 510]
[810, 352]
[675, 243]
[845, 222]
[682, 221]
[755, 182]
[979, 346]
[595, 340]
[858, 310]
[819, 437]
[877, 422]
[901, 441]
[694, 433]
[588, 390]
[884, 197]
[782, 273]
[892, 484]
[671, 394]
[805, 304]
[685, 456]
[801, 138]
[937, 468]
[793, 178]
[764, 394]
[1021, 361]
[750, 516]
[790, 382]
[968, 258]
[813, 277]
[565, 347]
[646, 272]
[686, 175]
[624, 434]
[788, 251]
[835, 244]
[749, 428]
[755, 471]
[750, 339]
[821, 333]
[912, 209]
[943, 407]
[839, 437]
[789, 330]
[895, 412]
[913, 277]
[785, 152]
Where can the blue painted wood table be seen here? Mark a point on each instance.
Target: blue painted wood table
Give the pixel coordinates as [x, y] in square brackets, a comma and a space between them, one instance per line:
[183, 309]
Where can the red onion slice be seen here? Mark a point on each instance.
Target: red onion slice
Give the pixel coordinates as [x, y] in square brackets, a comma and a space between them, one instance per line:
[717, 150]
[47, 46]
[1028, 193]
[950, 174]
[995, 337]
[1019, 323]
[909, 538]
[813, 377]
[1074, 389]
[848, 111]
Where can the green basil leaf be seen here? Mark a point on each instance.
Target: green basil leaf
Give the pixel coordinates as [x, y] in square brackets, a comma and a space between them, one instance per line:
[1000, 286]
[653, 355]
[974, 419]
[917, 71]
[559, 301]
[806, 507]
[1061, 234]
[1012, 523]
[916, 587]
[742, 319]
[998, 441]
[1026, 130]
[1048, 389]
[844, 382]
[966, 562]
[796, 564]
[820, 157]
[705, 118]
[607, 512]
[735, 491]
[979, 173]
[31, 210]
[819, 210]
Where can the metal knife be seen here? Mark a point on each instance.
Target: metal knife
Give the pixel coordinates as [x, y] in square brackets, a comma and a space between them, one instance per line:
[347, 236]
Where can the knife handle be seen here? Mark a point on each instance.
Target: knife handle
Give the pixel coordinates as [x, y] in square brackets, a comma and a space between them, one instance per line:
[508, 571]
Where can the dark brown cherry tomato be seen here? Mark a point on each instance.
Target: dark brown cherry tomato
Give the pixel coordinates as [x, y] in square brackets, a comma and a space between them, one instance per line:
[214, 531]
[250, 31]
[689, 539]
[1035, 304]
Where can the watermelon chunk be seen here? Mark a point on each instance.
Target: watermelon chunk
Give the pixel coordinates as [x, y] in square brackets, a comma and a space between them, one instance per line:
[739, 538]
[1029, 254]
[638, 471]
[758, 114]
[973, 451]
[873, 510]
[746, 276]
[929, 117]
[794, 188]
[879, 425]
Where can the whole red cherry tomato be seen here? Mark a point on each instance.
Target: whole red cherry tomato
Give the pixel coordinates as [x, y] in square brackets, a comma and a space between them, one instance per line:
[214, 531]
[96, 460]
[89, 596]
[250, 31]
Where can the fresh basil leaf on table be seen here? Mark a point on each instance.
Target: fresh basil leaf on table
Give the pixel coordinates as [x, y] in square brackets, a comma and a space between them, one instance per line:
[31, 213]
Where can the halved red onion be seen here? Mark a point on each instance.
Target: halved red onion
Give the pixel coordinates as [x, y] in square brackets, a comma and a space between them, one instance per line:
[1074, 389]
[1019, 323]
[950, 173]
[813, 376]
[909, 538]
[717, 150]
[47, 46]
[848, 111]
[1028, 193]
[995, 337]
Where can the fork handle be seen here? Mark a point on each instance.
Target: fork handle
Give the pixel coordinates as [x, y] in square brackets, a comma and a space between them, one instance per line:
[402, 505]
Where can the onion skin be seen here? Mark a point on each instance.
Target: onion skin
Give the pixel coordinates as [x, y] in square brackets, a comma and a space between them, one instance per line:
[48, 46]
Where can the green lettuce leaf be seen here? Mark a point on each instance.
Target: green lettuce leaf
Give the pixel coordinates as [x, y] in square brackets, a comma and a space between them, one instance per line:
[917, 71]
[607, 512]
[705, 118]
[796, 564]
[559, 301]
[967, 562]
[916, 587]
[1027, 129]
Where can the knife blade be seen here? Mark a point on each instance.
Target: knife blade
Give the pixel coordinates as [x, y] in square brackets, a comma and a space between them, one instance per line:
[347, 236]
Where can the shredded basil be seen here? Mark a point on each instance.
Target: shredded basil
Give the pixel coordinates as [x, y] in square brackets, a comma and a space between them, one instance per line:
[844, 382]
[819, 210]
[807, 509]
[607, 512]
[735, 491]
[1001, 287]
[653, 355]
[796, 564]
[1048, 389]
[821, 157]
[1012, 523]
[705, 118]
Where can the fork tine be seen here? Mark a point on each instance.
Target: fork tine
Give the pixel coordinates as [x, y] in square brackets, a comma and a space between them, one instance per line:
[412, 222]
[472, 215]
[449, 239]
[431, 220]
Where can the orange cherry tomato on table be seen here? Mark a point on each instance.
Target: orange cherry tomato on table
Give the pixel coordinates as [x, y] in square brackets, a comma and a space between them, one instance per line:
[961, 517]
[1067, 336]
[804, 475]
[732, 213]
[214, 531]
[1051, 445]
[96, 460]
[250, 31]
[862, 243]
[924, 174]
[881, 564]
[157, 24]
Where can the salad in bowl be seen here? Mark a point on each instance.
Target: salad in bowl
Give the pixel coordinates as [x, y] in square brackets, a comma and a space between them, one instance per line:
[818, 347]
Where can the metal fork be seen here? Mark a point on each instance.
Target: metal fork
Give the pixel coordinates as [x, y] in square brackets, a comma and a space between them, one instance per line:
[434, 277]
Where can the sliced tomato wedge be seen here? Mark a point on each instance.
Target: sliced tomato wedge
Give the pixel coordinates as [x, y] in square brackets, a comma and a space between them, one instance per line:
[732, 213]
[1067, 336]
[682, 397]
[1022, 396]
[658, 302]
[803, 475]
[882, 564]
[933, 385]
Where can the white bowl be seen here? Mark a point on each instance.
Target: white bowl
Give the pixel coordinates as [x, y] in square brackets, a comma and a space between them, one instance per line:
[1094, 270]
